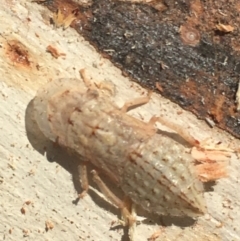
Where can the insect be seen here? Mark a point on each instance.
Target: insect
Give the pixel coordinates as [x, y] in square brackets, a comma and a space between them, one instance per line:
[152, 169]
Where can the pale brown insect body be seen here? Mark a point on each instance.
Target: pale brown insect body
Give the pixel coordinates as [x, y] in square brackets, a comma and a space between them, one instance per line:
[152, 169]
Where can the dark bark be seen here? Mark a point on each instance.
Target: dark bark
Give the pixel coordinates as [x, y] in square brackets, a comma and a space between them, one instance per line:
[197, 67]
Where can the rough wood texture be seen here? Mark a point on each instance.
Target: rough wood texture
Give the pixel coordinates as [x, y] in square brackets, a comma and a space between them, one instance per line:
[37, 192]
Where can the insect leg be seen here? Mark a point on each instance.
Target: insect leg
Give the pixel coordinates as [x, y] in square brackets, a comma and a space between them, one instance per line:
[93, 86]
[132, 228]
[85, 79]
[82, 169]
[127, 217]
[183, 133]
[136, 102]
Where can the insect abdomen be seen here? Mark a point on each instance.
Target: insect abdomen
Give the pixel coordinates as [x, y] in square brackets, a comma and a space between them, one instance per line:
[158, 176]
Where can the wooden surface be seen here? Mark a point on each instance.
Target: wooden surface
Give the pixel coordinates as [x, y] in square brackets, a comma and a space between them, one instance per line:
[36, 185]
